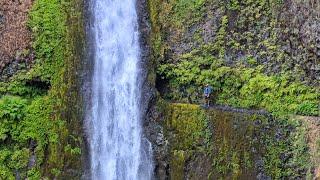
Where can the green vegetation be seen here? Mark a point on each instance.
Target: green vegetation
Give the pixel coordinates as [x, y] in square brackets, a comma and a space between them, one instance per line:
[236, 46]
[34, 103]
[12, 157]
[178, 164]
[255, 56]
[231, 143]
[239, 87]
[21, 123]
[238, 60]
[287, 153]
[188, 121]
[192, 131]
[186, 127]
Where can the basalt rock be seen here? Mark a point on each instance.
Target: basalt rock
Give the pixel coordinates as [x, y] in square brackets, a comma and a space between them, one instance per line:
[15, 37]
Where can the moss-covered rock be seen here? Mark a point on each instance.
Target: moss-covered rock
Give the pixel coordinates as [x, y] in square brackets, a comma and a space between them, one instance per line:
[223, 142]
[47, 97]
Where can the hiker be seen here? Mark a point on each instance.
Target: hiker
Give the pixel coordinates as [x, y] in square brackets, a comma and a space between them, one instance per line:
[207, 93]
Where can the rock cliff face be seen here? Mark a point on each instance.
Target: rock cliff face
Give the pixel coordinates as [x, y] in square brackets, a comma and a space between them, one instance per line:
[247, 46]
[281, 35]
[235, 46]
[41, 109]
[15, 37]
[222, 142]
[251, 52]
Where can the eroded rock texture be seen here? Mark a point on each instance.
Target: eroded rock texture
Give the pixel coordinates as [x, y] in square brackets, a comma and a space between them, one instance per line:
[222, 142]
[281, 35]
[15, 37]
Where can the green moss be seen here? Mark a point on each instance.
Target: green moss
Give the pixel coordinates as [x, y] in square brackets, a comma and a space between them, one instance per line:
[188, 124]
[46, 103]
[193, 131]
[287, 154]
[177, 165]
[233, 139]
[232, 142]
[185, 126]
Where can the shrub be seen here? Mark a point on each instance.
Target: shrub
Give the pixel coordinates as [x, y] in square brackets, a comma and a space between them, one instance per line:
[239, 86]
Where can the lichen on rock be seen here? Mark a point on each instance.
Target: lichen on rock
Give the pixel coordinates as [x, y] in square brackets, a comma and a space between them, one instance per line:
[224, 142]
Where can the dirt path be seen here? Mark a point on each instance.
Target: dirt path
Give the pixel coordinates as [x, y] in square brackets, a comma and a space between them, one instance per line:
[237, 110]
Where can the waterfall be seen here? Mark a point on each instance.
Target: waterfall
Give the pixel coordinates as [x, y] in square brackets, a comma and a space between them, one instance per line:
[117, 147]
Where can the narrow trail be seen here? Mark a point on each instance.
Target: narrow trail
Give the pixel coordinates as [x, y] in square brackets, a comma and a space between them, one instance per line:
[234, 109]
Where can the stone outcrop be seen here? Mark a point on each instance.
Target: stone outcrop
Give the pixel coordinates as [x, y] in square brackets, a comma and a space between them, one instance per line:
[15, 37]
[223, 142]
[313, 137]
[196, 144]
[280, 37]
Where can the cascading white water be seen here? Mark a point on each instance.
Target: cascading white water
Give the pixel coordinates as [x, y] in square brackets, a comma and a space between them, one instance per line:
[117, 150]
